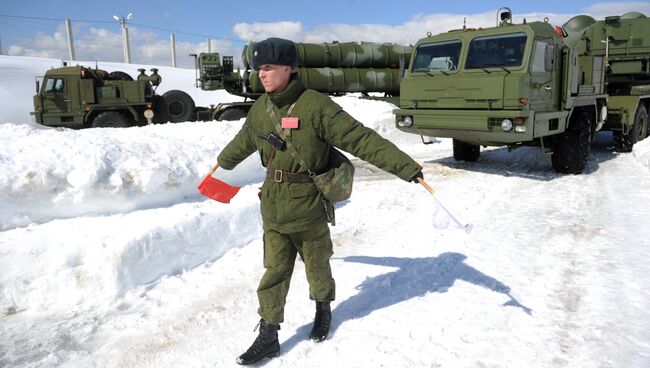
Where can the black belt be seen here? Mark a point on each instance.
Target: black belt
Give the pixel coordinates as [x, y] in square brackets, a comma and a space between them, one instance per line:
[280, 175]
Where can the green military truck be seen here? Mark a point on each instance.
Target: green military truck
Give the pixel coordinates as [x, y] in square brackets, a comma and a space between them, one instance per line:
[332, 68]
[81, 97]
[531, 84]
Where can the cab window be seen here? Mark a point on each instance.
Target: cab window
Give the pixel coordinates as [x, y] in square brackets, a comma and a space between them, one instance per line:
[542, 57]
[496, 51]
[55, 85]
[439, 56]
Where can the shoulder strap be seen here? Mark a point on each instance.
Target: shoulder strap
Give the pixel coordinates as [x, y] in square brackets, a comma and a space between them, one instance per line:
[276, 124]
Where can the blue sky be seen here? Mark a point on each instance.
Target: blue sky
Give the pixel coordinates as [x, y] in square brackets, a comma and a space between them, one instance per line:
[232, 25]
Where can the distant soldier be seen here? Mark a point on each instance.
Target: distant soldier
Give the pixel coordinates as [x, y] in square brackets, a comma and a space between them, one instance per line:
[295, 219]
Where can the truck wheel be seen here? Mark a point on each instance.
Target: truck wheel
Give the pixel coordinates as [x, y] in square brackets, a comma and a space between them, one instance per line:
[572, 149]
[647, 124]
[111, 119]
[232, 114]
[119, 76]
[625, 142]
[180, 106]
[465, 151]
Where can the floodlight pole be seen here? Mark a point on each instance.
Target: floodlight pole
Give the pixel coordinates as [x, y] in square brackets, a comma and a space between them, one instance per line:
[125, 37]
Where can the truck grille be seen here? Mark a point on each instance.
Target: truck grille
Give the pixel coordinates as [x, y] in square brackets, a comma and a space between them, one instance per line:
[494, 123]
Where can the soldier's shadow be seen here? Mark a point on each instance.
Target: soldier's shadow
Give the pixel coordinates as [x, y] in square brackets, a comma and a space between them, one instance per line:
[414, 277]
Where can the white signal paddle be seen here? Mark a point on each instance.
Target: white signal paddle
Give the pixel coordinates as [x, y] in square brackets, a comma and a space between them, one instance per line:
[461, 223]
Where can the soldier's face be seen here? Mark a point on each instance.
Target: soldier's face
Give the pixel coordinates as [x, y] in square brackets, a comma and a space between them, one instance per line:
[274, 77]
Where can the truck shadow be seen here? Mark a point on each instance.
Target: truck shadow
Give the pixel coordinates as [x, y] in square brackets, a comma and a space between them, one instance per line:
[531, 162]
[414, 277]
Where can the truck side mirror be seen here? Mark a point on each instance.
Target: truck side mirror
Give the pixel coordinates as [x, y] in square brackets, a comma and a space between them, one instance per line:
[38, 86]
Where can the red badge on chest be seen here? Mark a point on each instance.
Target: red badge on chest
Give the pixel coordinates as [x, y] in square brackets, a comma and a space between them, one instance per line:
[289, 123]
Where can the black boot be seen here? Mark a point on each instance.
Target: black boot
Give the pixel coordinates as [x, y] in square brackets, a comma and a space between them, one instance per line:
[265, 345]
[322, 322]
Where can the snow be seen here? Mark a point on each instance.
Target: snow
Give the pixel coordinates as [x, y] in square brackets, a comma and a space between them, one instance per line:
[110, 258]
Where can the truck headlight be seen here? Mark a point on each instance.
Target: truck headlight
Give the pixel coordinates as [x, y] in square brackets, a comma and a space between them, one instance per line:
[506, 125]
[405, 123]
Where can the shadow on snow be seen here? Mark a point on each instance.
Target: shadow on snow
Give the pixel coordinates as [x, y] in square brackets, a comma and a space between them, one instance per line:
[414, 277]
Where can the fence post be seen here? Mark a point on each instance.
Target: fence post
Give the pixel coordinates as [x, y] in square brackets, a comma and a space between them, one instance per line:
[70, 41]
[173, 42]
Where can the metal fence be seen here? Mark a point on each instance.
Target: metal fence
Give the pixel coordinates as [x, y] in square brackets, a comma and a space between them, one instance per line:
[120, 40]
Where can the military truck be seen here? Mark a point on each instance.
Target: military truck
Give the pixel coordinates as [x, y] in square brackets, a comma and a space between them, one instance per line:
[332, 68]
[82, 97]
[531, 84]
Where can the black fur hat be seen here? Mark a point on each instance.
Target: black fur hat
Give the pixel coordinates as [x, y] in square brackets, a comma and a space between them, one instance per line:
[276, 51]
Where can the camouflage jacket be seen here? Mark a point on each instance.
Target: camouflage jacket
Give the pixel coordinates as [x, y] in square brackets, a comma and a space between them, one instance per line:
[292, 207]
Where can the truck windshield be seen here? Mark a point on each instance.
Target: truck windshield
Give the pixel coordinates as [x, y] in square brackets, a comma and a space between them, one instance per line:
[440, 56]
[496, 51]
[54, 85]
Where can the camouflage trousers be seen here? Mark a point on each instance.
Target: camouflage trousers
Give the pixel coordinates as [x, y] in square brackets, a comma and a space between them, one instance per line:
[315, 248]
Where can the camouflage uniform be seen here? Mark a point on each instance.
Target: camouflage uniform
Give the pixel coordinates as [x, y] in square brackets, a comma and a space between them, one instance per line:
[295, 220]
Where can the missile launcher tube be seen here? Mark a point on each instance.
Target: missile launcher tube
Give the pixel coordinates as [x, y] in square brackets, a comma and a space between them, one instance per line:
[341, 80]
[344, 55]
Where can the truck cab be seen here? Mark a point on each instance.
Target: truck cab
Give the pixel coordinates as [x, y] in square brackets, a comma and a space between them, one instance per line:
[471, 84]
[58, 98]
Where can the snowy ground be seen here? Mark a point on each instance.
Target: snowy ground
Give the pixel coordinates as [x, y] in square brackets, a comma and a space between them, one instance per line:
[110, 258]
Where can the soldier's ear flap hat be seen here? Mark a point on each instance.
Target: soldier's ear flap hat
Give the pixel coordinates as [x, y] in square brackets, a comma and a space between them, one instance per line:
[277, 51]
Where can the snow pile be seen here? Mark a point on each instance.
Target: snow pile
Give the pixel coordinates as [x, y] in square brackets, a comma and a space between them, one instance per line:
[90, 261]
[145, 177]
[50, 174]
[642, 153]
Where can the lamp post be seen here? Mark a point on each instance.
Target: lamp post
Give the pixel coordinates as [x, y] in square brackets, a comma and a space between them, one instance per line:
[125, 36]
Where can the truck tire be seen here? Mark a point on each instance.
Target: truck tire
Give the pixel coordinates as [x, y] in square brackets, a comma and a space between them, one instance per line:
[465, 151]
[232, 114]
[179, 106]
[626, 142]
[111, 119]
[572, 149]
[119, 76]
[647, 107]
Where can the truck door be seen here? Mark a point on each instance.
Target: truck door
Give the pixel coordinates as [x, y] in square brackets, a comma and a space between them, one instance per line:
[545, 76]
[56, 97]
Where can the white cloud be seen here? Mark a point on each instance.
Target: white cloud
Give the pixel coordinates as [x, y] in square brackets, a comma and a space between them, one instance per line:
[260, 31]
[417, 27]
[408, 32]
[43, 45]
[602, 10]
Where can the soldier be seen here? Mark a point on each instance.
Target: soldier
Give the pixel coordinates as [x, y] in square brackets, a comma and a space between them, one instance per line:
[294, 218]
